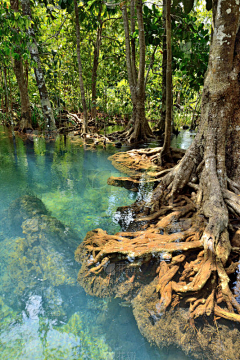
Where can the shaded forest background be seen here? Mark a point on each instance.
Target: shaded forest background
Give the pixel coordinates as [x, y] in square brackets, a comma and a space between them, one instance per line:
[50, 28]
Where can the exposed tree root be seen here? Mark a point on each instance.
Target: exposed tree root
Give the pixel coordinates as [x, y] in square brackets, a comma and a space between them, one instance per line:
[135, 162]
[172, 328]
[182, 242]
[168, 236]
[134, 133]
[184, 250]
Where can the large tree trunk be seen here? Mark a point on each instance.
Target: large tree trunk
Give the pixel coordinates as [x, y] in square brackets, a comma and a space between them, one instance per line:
[233, 128]
[206, 161]
[80, 73]
[33, 48]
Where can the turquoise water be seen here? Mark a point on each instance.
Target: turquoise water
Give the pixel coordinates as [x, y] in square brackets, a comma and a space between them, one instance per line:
[44, 313]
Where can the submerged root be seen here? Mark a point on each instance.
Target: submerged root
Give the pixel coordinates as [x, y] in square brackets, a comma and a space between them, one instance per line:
[180, 250]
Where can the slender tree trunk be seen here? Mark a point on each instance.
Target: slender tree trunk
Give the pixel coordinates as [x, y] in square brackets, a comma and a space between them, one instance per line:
[8, 107]
[193, 121]
[80, 73]
[10, 92]
[26, 116]
[133, 42]
[161, 124]
[140, 130]
[132, 84]
[150, 65]
[95, 64]
[6, 90]
[33, 48]
[2, 90]
[25, 122]
[165, 153]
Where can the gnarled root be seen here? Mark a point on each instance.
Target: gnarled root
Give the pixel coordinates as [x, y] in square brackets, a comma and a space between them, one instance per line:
[134, 162]
[135, 252]
[187, 254]
[184, 252]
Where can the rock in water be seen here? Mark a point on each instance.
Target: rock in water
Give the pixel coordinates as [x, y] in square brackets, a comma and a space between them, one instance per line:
[40, 260]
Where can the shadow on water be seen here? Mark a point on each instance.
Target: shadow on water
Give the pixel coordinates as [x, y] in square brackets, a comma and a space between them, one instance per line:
[52, 193]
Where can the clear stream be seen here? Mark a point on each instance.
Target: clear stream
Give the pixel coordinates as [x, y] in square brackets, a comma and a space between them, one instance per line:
[44, 313]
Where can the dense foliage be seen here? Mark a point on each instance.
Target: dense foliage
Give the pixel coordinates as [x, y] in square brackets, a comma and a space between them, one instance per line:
[54, 26]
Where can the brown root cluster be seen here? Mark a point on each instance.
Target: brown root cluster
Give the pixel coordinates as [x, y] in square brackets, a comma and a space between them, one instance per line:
[184, 248]
[172, 239]
[137, 161]
[206, 340]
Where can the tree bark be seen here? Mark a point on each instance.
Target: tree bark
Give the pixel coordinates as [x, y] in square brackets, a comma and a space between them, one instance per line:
[80, 72]
[233, 128]
[25, 122]
[140, 129]
[161, 124]
[2, 91]
[7, 106]
[33, 48]
[133, 42]
[165, 153]
[129, 60]
[95, 64]
[150, 65]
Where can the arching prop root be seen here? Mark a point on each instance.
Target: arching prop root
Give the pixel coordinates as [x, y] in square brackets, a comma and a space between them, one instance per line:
[134, 133]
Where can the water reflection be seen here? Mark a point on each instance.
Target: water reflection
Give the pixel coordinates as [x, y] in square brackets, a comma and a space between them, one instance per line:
[44, 313]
